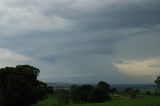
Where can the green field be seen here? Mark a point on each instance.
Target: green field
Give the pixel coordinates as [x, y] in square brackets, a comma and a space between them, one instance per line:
[50, 101]
[120, 101]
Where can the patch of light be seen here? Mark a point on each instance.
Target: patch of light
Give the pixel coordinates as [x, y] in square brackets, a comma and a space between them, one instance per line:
[10, 56]
[139, 67]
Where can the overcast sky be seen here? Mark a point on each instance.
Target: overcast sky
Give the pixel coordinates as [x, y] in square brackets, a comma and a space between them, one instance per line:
[83, 40]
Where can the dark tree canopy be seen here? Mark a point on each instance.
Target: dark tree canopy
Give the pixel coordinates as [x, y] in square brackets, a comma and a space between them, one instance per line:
[85, 89]
[100, 93]
[75, 93]
[157, 81]
[89, 93]
[19, 86]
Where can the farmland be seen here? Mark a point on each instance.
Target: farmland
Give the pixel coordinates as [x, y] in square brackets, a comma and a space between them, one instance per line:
[119, 101]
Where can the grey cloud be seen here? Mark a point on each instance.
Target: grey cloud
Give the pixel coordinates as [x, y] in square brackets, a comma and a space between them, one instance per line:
[120, 14]
[144, 46]
[120, 62]
[50, 46]
[110, 15]
[155, 65]
[66, 33]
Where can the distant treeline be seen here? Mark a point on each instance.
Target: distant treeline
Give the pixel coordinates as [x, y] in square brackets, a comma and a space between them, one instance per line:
[82, 93]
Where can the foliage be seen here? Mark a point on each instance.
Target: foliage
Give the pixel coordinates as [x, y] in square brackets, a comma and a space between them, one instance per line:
[114, 90]
[85, 90]
[157, 81]
[148, 92]
[75, 94]
[100, 93]
[19, 86]
[62, 96]
[50, 90]
[88, 93]
[127, 90]
[132, 92]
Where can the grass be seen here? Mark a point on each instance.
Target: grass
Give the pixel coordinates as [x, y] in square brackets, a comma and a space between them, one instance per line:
[120, 101]
[50, 101]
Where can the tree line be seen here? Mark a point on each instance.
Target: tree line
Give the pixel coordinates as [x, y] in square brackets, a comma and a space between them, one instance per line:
[19, 86]
[89, 93]
[79, 94]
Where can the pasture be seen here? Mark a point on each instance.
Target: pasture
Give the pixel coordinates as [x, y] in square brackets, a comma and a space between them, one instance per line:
[116, 101]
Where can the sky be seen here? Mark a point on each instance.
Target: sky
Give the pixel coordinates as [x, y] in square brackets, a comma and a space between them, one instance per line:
[83, 41]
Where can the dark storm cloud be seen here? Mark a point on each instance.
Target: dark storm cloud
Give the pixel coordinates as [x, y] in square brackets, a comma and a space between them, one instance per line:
[68, 33]
[49, 47]
[121, 14]
[135, 14]
[95, 29]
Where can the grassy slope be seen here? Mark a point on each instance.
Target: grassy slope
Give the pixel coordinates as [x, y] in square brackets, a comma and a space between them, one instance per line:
[121, 101]
[124, 101]
[50, 101]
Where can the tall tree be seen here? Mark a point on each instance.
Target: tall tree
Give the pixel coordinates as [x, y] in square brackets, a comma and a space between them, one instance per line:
[62, 96]
[89, 93]
[104, 89]
[84, 92]
[157, 81]
[100, 93]
[19, 86]
[75, 93]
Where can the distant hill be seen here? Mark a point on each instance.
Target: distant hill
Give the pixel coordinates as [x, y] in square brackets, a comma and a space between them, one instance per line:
[57, 85]
[118, 86]
[135, 86]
